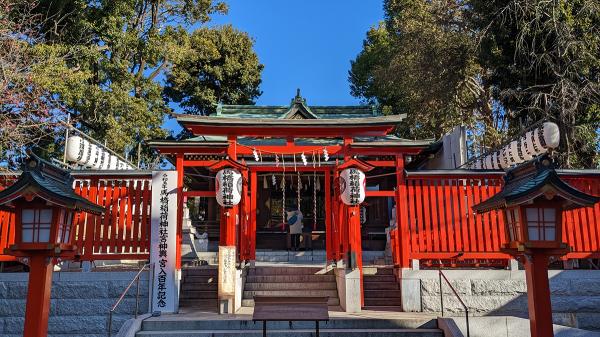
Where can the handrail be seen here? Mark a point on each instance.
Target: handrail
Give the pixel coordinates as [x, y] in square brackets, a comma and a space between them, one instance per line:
[441, 274]
[137, 297]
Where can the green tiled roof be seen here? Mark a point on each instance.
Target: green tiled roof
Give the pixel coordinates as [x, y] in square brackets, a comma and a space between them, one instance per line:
[298, 104]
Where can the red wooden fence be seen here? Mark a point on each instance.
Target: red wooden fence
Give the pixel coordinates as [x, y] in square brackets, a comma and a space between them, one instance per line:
[440, 222]
[442, 225]
[121, 233]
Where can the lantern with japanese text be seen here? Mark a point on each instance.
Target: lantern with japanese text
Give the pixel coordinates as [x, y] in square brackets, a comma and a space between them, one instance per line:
[352, 186]
[77, 150]
[228, 187]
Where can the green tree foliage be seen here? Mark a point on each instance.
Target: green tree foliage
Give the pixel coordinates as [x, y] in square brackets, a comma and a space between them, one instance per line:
[494, 66]
[116, 55]
[124, 46]
[219, 66]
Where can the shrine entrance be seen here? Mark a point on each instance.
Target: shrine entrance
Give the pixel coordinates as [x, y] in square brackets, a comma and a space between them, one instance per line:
[299, 223]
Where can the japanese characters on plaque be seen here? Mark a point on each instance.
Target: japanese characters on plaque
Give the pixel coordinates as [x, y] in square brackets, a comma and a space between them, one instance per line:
[163, 236]
[227, 269]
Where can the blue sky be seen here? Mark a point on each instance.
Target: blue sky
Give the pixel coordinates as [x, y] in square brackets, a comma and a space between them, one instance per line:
[304, 44]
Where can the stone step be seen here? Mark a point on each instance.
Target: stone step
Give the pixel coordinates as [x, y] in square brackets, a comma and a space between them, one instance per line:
[290, 286]
[199, 271]
[199, 287]
[332, 302]
[376, 302]
[199, 279]
[289, 278]
[379, 278]
[381, 285]
[378, 271]
[395, 308]
[284, 271]
[199, 294]
[382, 294]
[166, 323]
[298, 333]
[291, 293]
[198, 303]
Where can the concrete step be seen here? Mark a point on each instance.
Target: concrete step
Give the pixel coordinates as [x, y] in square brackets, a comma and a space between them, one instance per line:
[199, 294]
[167, 323]
[199, 286]
[382, 294]
[395, 308]
[199, 279]
[382, 301]
[369, 285]
[298, 333]
[199, 271]
[198, 303]
[285, 271]
[291, 293]
[379, 278]
[378, 271]
[332, 302]
[290, 286]
[289, 278]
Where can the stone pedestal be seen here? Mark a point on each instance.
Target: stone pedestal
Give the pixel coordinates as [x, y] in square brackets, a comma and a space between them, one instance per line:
[349, 292]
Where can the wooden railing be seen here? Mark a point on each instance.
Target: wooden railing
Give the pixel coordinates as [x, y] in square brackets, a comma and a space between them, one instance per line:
[442, 225]
[123, 232]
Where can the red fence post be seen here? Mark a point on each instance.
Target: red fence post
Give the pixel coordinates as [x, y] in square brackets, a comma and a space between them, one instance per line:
[402, 213]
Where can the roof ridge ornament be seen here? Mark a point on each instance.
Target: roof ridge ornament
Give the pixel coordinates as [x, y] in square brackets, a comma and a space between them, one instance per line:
[298, 99]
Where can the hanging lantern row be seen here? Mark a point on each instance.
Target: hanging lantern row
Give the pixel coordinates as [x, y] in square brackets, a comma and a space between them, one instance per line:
[85, 153]
[228, 187]
[532, 144]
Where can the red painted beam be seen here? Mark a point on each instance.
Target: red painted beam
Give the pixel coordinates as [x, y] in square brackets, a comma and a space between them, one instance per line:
[380, 193]
[199, 163]
[204, 194]
[381, 163]
[289, 149]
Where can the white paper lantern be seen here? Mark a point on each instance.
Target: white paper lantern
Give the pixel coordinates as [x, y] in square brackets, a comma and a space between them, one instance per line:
[76, 149]
[94, 160]
[228, 187]
[502, 160]
[551, 135]
[524, 150]
[113, 162]
[488, 162]
[352, 186]
[105, 160]
[514, 153]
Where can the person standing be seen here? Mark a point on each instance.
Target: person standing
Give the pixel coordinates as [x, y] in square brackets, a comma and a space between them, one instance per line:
[295, 222]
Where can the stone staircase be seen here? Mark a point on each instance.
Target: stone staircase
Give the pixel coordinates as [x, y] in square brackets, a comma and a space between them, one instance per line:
[199, 288]
[289, 281]
[382, 290]
[173, 327]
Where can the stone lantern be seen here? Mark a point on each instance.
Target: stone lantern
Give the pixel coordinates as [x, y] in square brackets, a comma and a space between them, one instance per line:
[44, 205]
[533, 200]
